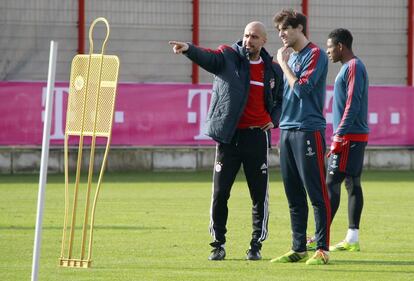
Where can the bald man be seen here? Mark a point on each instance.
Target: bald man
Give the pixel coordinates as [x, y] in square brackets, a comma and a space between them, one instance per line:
[245, 105]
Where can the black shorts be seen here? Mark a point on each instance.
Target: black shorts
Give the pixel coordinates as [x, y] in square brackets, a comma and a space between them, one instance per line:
[350, 161]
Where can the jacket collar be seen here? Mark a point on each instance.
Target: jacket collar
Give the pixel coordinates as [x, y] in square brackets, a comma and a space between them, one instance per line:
[238, 47]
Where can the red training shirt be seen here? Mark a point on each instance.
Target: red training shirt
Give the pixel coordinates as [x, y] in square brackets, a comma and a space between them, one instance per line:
[255, 113]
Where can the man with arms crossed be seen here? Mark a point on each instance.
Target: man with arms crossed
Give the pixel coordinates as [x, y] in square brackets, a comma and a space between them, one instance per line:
[302, 141]
[245, 105]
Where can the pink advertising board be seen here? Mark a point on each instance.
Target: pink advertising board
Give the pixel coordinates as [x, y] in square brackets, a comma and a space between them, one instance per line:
[174, 114]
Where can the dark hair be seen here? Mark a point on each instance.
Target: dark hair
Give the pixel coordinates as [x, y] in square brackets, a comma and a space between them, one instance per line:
[341, 35]
[290, 17]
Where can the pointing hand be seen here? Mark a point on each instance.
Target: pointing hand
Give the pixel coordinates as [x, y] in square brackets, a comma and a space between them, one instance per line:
[178, 47]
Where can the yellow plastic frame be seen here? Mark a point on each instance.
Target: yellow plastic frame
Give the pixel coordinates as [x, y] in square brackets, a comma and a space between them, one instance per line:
[90, 112]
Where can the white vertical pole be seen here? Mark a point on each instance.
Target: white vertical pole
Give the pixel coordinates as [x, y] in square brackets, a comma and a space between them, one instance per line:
[44, 158]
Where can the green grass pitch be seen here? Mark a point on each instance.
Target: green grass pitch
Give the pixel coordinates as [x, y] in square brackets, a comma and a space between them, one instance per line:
[154, 226]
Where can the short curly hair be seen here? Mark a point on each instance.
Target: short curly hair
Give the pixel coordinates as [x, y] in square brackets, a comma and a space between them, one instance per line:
[343, 36]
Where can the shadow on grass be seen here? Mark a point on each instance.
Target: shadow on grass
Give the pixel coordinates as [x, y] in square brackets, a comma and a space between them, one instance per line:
[111, 227]
[379, 263]
[375, 262]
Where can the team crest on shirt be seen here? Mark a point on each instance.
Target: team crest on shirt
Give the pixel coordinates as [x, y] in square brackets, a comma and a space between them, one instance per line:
[296, 67]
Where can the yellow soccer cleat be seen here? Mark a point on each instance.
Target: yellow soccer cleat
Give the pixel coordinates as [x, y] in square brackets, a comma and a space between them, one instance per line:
[311, 244]
[345, 246]
[319, 258]
[291, 256]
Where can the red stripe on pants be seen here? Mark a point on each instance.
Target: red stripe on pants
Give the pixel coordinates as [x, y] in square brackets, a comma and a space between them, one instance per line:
[344, 158]
[321, 164]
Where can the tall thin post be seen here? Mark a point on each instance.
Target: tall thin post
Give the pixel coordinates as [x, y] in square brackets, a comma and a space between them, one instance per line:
[410, 44]
[44, 158]
[305, 11]
[81, 26]
[196, 31]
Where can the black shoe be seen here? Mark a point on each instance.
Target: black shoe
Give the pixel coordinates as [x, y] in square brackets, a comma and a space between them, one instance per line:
[253, 253]
[218, 253]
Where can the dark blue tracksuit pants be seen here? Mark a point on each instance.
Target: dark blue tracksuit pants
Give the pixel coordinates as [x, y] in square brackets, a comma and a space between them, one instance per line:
[303, 171]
